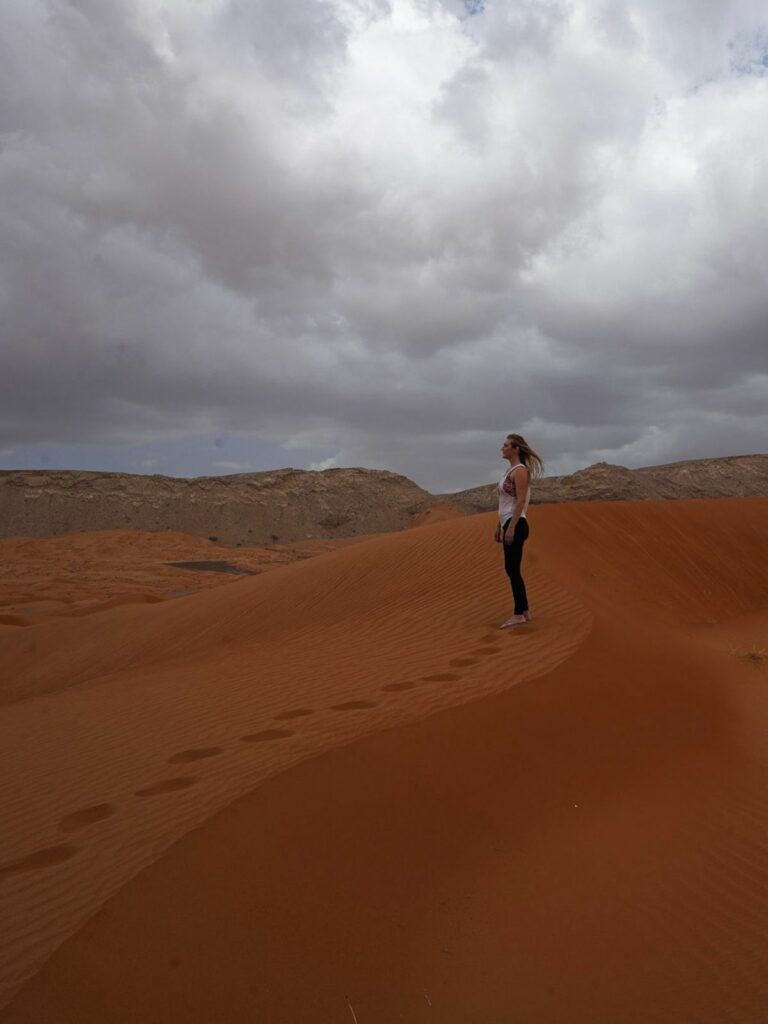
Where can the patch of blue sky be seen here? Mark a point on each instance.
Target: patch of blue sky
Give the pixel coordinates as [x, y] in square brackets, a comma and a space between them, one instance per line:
[198, 455]
[749, 54]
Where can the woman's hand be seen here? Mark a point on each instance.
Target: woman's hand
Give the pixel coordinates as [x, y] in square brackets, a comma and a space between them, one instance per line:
[497, 534]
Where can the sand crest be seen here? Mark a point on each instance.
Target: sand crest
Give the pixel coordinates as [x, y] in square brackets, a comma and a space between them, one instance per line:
[590, 841]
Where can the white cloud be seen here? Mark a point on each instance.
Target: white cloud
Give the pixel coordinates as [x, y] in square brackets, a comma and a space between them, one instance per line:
[329, 463]
[387, 228]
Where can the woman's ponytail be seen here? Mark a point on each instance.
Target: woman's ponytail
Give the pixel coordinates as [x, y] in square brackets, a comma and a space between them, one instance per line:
[532, 461]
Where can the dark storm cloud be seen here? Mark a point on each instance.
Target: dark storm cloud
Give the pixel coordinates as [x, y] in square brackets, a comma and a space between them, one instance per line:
[388, 230]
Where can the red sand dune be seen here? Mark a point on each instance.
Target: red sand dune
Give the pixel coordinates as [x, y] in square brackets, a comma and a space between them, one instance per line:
[80, 573]
[586, 847]
[438, 513]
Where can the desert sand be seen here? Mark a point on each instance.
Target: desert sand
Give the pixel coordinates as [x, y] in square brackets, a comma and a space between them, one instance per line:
[337, 792]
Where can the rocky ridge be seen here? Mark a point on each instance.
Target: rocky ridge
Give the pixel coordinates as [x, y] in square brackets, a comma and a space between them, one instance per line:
[737, 476]
[243, 509]
[287, 505]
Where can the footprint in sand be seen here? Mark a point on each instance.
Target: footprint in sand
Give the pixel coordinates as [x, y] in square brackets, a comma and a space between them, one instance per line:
[45, 858]
[462, 662]
[441, 677]
[167, 786]
[397, 687]
[267, 734]
[86, 816]
[198, 754]
[353, 705]
[296, 713]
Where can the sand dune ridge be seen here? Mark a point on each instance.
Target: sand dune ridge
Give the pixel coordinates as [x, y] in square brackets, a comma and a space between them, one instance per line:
[569, 803]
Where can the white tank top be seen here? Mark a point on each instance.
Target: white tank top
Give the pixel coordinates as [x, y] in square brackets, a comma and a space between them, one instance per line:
[508, 502]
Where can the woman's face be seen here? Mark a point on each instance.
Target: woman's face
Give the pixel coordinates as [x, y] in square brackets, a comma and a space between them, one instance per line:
[507, 448]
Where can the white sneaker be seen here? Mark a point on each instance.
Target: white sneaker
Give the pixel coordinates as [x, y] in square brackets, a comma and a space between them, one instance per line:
[513, 622]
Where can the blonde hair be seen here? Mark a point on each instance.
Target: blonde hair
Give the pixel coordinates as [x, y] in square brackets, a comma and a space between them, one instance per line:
[531, 459]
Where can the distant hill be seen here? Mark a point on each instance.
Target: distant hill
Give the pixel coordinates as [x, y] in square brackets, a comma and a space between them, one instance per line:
[286, 505]
[247, 508]
[737, 476]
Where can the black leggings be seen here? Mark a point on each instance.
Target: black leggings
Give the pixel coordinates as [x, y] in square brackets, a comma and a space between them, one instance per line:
[513, 556]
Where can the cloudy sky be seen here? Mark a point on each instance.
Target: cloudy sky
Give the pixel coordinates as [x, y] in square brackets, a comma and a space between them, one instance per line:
[245, 234]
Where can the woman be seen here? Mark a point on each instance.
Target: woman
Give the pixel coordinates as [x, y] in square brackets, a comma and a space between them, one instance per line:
[512, 528]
